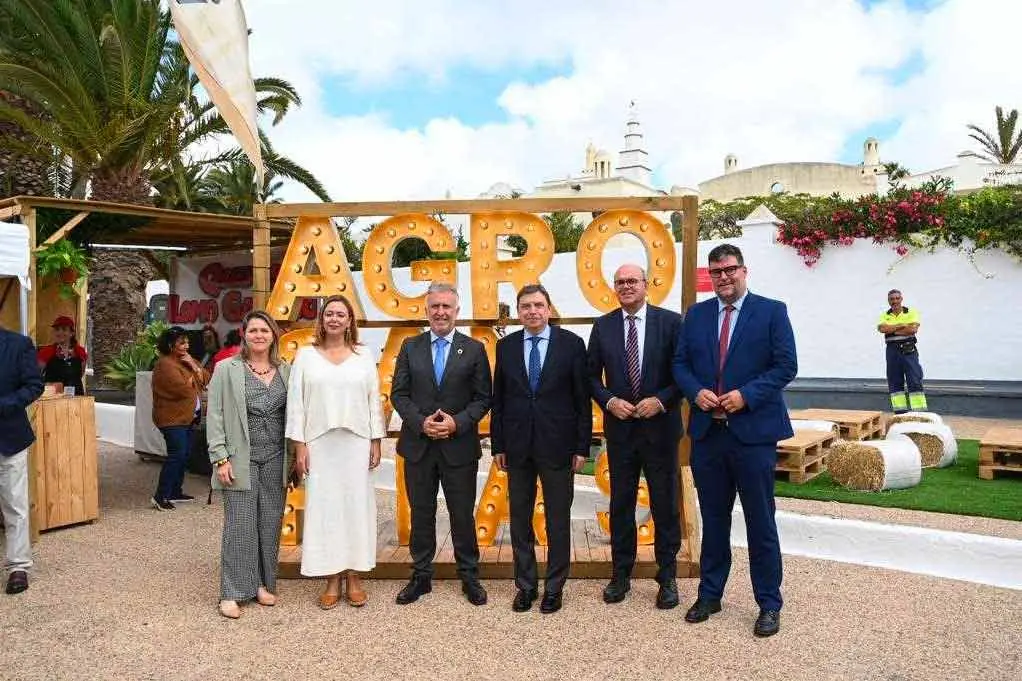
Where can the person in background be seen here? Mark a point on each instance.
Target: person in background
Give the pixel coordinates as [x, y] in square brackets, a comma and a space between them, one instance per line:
[899, 325]
[245, 430]
[20, 386]
[178, 382]
[210, 346]
[335, 419]
[63, 360]
[232, 345]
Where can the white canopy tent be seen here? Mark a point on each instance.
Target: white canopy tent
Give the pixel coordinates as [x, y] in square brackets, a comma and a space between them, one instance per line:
[15, 261]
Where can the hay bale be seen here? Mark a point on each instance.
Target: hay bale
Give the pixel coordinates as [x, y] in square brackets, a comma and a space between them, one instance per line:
[808, 424]
[874, 465]
[915, 417]
[936, 442]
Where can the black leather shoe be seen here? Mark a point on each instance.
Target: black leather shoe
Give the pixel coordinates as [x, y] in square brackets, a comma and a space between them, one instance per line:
[474, 592]
[417, 586]
[667, 596]
[768, 623]
[701, 610]
[523, 600]
[17, 582]
[616, 590]
[551, 603]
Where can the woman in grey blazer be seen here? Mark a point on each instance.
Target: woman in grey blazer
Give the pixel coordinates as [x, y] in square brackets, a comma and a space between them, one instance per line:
[245, 431]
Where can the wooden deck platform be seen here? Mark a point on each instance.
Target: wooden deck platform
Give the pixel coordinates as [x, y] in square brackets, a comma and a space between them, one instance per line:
[854, 424]
[590, 556]
[1000, 451]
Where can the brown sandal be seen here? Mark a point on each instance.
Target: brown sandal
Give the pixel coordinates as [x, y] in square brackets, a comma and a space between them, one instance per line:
[357, 597]
[329, 601]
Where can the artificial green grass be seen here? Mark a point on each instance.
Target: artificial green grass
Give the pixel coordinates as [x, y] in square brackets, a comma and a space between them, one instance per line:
[955, 489]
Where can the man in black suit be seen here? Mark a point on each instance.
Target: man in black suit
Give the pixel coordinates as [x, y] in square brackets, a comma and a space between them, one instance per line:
[541, 427]
[20, 385]
[630, 355]
[441, 390]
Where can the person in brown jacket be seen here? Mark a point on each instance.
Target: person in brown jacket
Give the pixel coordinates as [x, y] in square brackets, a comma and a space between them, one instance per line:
[178, 381]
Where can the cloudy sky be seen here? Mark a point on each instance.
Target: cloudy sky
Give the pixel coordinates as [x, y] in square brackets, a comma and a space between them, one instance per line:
[411, 99]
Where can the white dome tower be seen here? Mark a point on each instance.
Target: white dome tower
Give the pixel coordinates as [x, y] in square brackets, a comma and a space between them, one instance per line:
[633, 161]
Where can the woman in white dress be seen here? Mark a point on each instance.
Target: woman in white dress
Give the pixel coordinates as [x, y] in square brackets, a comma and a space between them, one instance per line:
[335, 419]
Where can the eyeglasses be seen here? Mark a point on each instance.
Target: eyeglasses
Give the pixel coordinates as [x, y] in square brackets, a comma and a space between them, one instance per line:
[622, 283]
[718, 272]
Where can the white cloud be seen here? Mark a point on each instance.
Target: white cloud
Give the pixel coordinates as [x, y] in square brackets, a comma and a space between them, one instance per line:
[770, 81]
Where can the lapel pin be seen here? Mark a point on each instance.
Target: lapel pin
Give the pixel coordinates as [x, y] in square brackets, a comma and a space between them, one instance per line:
[460, 351]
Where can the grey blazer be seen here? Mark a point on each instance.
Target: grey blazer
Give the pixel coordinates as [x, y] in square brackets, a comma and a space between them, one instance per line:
[227, 420]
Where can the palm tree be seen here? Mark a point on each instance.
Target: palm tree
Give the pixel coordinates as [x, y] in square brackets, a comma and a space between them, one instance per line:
[119, 102]
[1004, 145]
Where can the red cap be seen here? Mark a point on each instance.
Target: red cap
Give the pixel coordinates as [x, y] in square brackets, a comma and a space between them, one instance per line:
[63, 321]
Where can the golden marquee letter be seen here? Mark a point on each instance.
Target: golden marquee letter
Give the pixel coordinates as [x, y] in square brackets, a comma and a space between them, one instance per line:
[377, 257]
[657, 240]
[488, 271]
[314, 245]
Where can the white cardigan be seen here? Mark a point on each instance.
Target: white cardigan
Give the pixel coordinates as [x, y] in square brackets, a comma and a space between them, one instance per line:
[323, 396]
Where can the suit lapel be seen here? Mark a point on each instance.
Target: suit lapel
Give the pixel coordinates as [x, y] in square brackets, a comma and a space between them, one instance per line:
[425, 353]
[454, 355]
[552, 346]
[649, 336]
[712, 332]
[748, 310]
[237, 385]
[516, 356]
[617, 339]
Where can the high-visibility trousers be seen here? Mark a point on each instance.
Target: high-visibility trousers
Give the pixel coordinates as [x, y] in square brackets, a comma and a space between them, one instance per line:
[904, 380]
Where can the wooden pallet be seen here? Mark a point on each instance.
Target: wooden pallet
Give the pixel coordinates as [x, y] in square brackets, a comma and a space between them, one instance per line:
[853, 424]
[810, 468]
[803, 446]
[590, 556]
[1000, 450]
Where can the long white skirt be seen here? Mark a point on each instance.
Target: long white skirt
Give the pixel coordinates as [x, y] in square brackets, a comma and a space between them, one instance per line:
[340, 506]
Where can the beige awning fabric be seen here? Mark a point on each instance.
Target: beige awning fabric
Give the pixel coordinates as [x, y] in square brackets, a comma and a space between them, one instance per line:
[214, 36]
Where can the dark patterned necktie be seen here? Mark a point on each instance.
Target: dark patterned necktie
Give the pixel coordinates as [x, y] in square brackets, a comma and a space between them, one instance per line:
[632, 355]
[725, 333]
[534, 365]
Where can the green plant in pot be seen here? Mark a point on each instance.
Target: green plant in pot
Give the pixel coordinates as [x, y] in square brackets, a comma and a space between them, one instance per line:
[135, 356]
[65, 261]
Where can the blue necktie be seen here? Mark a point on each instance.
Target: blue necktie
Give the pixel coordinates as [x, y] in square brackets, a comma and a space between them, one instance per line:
[534, 366]
[439, 361]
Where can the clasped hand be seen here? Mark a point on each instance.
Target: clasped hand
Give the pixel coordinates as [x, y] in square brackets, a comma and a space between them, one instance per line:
[730, 402]
[624, 410]
[439, 425]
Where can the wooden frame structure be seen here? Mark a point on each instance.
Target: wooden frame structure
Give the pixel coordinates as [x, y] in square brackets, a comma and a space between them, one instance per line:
[271, 225]
[393, 559]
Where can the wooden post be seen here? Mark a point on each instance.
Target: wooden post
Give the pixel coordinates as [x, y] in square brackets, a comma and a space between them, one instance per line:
[260, 258]
[690, 530]
[28, 218]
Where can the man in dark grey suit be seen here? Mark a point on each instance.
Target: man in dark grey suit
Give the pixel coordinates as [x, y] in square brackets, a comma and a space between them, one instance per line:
[441, 390]
[542, 424]
[630, 354]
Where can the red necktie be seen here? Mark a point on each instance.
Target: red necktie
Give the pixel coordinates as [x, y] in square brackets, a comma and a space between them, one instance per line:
[725, 332]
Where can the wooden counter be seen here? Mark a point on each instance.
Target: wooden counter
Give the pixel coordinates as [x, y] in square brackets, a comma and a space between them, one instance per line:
[63, 476]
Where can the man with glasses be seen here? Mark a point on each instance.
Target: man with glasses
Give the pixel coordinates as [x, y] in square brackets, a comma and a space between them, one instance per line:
[735, 355]
[630, 353]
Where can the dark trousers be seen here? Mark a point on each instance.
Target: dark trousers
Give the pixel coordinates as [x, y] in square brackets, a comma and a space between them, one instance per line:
[558, 492]
[659, 465]
[722, 466]
[901, 370]
[423, 479]
[172, 474]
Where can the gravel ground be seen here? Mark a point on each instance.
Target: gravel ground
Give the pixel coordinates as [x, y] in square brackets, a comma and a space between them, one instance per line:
[133, 596]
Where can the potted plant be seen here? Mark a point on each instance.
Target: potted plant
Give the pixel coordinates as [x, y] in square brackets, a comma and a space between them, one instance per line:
[65, 260]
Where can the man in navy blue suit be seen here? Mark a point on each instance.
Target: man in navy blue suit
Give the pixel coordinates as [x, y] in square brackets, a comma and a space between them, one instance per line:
[541, 426]
[630, 354]
[735, 355]
[20, 385]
